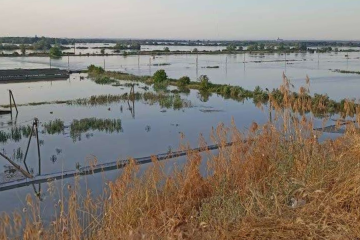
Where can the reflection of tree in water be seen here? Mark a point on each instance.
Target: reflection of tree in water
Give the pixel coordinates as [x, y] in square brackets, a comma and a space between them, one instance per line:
[204, 96]
[184, 90]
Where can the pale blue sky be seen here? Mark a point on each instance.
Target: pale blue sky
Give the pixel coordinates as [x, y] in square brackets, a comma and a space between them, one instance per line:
[185, 19]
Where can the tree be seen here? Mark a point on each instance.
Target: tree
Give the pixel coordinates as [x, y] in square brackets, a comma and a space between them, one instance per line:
[281, 46]
[230, 48]
[43, 44]
[102, 51]
[253, 47]
[160, 76]
[195, 50]
[302, 47]
[204, 82]
[262, 46]
[184, 81]
[55, 52]
[166, 49]
[23, 49]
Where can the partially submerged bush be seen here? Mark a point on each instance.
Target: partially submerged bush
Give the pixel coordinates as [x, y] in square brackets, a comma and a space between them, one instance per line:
[184, 81]
[94, 70]
[205, 83]
[160, 76]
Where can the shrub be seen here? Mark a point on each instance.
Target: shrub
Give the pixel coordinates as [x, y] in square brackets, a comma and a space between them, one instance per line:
[184, 81]
[160, 76]
[204, 82]
[92, 69]
[55, 52]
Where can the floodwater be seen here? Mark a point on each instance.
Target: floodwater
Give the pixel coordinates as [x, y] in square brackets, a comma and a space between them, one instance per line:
[147, 129]
[263, 70]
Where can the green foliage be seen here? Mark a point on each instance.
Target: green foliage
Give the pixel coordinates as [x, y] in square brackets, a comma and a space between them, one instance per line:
[160, 76]
[102, 51]
[23, 49]
[42, 44]
[125, 46]
[231, 48]
[78, 127]
[302, 47]
[104, 80]
[205, 83]
[253, 47]
[15, 134]
[166, 49]
[54, 127]
[55, 52]
[94, 70]
[184, 81]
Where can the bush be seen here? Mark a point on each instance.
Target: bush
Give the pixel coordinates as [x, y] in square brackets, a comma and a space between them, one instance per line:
[92, 69]
[160, 76]
[184, 81]
[204, 82]
[55, 52]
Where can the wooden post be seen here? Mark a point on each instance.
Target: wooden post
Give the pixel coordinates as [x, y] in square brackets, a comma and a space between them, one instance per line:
[10, 101]
[13, 99]
[36, 121]
[25, 173]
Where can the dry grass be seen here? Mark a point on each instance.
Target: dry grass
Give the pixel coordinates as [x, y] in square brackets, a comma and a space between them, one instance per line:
[274, 183]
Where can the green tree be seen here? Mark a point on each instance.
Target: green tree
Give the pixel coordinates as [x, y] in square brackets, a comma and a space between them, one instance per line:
[23, 49]
[160, 76]
[55, 52]
[195, 50]
[204, 82]
[184, 81]
[262, 46]
[253, 47]
[302, 47]
[281, 46]
[231, 48]
[102, 51]
[166, 49]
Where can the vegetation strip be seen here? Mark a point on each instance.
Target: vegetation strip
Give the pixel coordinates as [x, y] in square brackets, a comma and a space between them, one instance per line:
[302, 101]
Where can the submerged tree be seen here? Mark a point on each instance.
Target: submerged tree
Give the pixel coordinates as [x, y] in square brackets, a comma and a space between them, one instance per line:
[231, 48]
[160, 76]
[23, 49]
[55, 52]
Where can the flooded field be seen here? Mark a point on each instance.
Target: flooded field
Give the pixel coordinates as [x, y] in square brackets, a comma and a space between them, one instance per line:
[259, 70]
[73, 134]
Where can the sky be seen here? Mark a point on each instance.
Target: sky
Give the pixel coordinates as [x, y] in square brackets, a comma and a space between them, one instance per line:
[183, 19]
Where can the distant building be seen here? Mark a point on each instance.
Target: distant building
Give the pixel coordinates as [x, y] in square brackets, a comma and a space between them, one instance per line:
[280, 40]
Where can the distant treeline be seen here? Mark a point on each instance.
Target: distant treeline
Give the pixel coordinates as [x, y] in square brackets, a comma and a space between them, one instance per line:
[68, 41]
